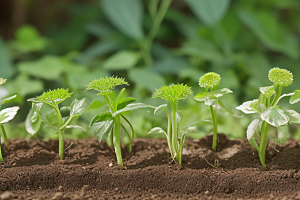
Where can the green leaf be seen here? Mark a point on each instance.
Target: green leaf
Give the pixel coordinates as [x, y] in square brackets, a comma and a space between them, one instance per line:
[124, 102]
[7, 99]
[129, 107]
[282, 132]
[103, 128]
[160, 109]
[296, 97]
[32, 122]
[77, 127]
[275, 116]
[8, 114]
[246, 107]
[265, 26]
[101, 117]
[131, 127]
[157, 130]
[147, 79]
[294, 117]
[6, 69]
[211, 98]
[126, 15]
[252, 128]
[122, 60]
[78, 107]
[209, 12]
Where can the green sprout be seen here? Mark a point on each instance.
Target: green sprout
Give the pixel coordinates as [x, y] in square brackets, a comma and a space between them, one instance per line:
[269, 113]
[6, 115]
[108, 125]
[53, 98]
[210, 97]
[175, 137]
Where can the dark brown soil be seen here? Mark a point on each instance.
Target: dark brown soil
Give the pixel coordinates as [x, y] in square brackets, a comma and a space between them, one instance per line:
[32, 170]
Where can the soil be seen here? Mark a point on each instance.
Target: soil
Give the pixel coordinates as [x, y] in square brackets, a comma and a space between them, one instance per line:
[32, 170]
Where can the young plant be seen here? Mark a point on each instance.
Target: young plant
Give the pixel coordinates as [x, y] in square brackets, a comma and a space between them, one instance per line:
[110, 124]
[175, 137]
[6, 115]
[269, 113]
[211, 97]
[53, 98]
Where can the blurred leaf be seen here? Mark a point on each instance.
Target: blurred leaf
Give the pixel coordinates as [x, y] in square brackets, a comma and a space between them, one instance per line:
[264, 25]
[32, 126]
[76, 127]
[126, 15]
[28, 40]
[146, 79]
[282, 132]
[6, 69]
[8, 114]
[170, 65]
[294, 117]
[209, 12]
[296, 97]
[122, 60]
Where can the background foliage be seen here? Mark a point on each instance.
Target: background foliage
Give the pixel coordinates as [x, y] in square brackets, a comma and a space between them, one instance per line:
[151, 44]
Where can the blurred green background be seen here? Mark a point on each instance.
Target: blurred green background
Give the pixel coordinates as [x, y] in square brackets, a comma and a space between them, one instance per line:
[46, 44]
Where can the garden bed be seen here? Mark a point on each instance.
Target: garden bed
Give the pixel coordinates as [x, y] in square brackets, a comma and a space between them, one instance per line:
[32, 169]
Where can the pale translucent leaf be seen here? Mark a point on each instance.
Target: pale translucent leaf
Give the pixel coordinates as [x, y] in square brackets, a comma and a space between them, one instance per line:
[252, 128]
[246, 107]
[8, 114]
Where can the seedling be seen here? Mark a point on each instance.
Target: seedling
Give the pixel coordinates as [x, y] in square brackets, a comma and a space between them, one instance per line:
[6, 115]
[108, 124]
[269, 113]
[211, 97]
[53, 98]
[175, 137]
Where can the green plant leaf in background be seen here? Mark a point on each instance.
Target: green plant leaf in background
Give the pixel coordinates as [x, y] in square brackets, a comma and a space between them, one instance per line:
[122, 60]
[6, 68]
[265, 26]
[126, 15]
[210, 12]
[275, 116]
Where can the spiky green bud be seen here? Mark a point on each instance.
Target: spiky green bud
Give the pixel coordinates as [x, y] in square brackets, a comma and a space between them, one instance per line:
[57, 95]
[209, 80]
[268, 91]
[280, 76]
[2, 81]
[106, 85]
[173, 92]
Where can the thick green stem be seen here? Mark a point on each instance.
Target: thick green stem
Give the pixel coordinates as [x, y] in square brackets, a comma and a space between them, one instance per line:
[117, 140]
[215, 128]
[4, 134]
[277, 95]
[146, 45]
[61, 144]
[263, 142]
[174, 129]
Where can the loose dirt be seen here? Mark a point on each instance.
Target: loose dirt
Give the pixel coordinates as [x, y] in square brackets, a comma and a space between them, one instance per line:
[32, 170]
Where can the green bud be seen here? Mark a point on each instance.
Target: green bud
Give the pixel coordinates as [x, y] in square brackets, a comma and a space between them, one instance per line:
[281, 77]
[173, 92]
[209, 80]
[106, 85]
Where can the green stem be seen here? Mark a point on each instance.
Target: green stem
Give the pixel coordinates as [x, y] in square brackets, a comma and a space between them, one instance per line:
[146, 45]
[215, 128]
[4, 134]
[174, 128]
[117, 140]
[61, 132]
[263, 142]
[169, 133]
[277, 95]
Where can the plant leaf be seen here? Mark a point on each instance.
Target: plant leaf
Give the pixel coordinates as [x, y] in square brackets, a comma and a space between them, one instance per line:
[160, 109]
[252, 128]
[282, 132]
[126, 16]
[103, 128]
[8, 114]
[8, 99]
[275, 116]
[124, 102]
[294, 117]
[209, 12]
[211, 98]
[129, 107]
[101, 117]
[157, 130]
[77, 127]
[32, 122]
[122, 60]
[296, 97]
[246, 107]
[78, 107]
